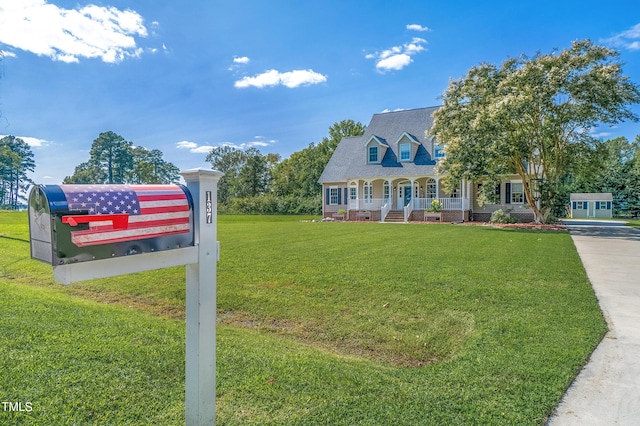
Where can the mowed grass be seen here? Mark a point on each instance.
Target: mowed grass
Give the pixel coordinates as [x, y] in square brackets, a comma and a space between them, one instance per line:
[319, 323]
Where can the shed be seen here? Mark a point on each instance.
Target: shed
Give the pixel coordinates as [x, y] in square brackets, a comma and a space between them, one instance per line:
[591, 205]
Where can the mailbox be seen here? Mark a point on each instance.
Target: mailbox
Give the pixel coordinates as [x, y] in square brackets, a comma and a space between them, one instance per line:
[80, 223]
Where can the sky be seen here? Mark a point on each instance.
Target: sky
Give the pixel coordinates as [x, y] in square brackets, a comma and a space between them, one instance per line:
[184, 77]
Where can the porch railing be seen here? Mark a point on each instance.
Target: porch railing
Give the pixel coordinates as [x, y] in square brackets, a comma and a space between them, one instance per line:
[367, 204]
[407, 211]
[416, 204]
[447, 203]
[385, 210]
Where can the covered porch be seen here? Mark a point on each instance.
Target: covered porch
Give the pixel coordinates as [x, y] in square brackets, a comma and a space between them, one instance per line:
[382, 199]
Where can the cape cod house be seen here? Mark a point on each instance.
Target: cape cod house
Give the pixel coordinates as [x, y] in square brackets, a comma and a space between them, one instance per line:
[389, 174]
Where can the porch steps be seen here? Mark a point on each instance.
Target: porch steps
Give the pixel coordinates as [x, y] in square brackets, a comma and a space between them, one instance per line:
[395, 216]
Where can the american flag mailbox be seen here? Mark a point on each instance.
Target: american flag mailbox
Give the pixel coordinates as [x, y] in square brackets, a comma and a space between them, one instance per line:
[80, 223]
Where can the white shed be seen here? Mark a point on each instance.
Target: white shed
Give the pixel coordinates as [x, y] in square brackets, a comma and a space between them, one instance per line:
[592, 205]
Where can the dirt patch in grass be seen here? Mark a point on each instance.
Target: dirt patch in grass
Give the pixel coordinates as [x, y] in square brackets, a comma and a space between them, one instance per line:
[156, 307]
[397, 351]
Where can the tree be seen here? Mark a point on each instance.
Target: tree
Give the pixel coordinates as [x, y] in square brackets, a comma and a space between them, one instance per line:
[229, 161]
[531, 117]
[112, 159]
[16, 160]
[340, 130]
[150, 167]
[111, 152]
[254, 176]
[86, 173]
[298, 175]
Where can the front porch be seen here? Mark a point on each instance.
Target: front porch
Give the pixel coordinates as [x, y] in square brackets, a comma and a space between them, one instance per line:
[384, 199]
[453, 210]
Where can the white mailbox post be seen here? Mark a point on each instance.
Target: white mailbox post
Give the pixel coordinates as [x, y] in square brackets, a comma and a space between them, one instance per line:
[161, 226]
[200, 402]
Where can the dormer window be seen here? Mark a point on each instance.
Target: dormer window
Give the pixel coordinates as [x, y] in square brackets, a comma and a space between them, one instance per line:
[407, 146]
[373, 154]
[375, 149]
[438, 151]
[405, 152]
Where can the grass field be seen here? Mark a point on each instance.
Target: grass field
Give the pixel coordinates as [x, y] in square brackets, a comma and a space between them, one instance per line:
[319, 323]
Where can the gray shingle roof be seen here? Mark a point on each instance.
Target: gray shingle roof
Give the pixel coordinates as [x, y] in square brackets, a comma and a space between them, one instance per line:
[595, 196]
[349, 160]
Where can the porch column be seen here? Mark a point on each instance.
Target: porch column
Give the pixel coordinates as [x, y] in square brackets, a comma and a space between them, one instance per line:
[413, 193]
[463, 191]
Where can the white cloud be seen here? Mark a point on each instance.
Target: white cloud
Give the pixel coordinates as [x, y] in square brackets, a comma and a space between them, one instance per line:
[397, 57]
[70, 34]
[417, 27]
[5, 54]
[241, 60]
[259, 141]
[629, 39]
[291, 79]
[33, 142]
[194, 147]
[395, 62]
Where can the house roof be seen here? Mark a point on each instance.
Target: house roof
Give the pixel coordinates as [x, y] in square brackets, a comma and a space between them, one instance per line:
[349, 160]
[594, 196]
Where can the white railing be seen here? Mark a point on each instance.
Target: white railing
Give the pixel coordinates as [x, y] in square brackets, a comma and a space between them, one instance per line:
[385, 210]
[407, 211]
[367, 204]
[447, 203]
[384, 205]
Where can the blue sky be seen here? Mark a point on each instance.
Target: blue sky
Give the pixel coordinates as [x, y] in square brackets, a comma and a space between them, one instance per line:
[183, 77]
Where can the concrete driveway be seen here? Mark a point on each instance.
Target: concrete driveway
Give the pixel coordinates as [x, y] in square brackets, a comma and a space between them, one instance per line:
[607, 390]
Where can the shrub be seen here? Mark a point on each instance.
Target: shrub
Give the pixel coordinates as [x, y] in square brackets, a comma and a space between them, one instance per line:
[499, 216]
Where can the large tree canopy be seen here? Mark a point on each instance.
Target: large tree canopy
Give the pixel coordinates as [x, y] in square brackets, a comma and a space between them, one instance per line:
[112, 159]
[531, 117]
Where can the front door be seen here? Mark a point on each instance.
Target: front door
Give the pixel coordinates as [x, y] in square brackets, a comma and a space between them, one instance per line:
[406, 191]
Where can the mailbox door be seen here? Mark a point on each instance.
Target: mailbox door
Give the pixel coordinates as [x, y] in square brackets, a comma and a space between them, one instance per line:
[40, 229]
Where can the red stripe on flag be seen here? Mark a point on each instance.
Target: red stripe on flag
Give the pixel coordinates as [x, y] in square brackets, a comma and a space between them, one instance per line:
[169, 209]
[161, 197]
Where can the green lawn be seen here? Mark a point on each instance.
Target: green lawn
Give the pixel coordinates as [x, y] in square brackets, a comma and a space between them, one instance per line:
[635, 223]
[319, 323]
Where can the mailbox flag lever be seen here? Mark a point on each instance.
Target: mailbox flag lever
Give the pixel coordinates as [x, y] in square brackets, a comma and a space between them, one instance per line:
[119, 220]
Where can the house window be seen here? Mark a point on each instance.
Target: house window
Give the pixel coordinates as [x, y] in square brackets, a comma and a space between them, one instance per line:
[387, 191]
[603, 205]
[353, 193]
[431, 188]
[438, 151]
[405, 152]
[373, 154]
[517, 193]
[580, 205]
[334, 196]
[368, 191]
